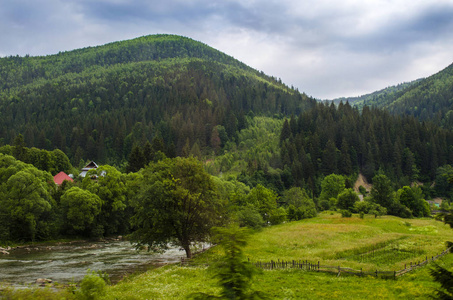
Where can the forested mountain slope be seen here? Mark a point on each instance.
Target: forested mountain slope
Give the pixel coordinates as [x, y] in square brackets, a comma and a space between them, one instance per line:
[96, 103]
[376, 97]
[342, 140]
[428, 99]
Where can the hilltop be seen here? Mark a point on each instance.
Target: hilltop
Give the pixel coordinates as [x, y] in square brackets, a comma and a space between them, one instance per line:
[98, 102]
[428, 99]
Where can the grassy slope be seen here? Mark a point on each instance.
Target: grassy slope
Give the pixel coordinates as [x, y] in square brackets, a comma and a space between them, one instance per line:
[323, 238]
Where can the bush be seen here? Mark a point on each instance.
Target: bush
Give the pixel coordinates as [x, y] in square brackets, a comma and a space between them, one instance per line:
[250, 217]
[92, 286]
[346, 213]
[277, 216]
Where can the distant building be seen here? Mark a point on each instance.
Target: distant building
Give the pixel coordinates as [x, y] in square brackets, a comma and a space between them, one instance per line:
[435, 202]
[90, 166]
[60, 177]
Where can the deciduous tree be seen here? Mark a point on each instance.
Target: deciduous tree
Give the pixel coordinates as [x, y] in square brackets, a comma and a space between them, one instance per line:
[176, 205]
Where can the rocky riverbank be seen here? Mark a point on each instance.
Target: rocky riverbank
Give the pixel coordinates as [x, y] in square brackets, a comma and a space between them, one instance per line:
[83, 244]
[5, 250]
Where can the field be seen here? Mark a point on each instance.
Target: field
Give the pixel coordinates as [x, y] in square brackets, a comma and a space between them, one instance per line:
[386, 243]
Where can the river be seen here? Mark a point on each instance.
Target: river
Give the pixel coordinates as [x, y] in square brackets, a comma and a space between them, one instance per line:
[69, 263]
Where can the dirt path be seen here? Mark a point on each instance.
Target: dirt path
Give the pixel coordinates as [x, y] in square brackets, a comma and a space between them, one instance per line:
[361, 181]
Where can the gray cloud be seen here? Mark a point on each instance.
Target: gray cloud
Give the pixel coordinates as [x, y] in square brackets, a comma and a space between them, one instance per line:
[327, 49]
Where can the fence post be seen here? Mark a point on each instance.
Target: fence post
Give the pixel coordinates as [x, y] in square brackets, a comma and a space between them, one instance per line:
[376, 273]
[318, 265]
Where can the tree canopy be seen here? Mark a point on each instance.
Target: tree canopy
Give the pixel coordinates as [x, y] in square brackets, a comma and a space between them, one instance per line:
[176, 205]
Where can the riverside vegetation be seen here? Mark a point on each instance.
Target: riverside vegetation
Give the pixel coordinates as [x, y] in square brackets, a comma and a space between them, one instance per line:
[189, 138]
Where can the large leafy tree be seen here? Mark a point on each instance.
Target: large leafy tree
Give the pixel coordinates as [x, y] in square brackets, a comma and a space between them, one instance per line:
[264, 199]
[332, 185]
[25, 201]
[382, 191]
[300, 205]
[412, 197]
[176, 205]
[80, 208]
[347, 199]
[111, 187]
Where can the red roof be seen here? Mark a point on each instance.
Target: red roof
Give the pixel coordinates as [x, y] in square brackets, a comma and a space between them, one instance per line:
[60, 177]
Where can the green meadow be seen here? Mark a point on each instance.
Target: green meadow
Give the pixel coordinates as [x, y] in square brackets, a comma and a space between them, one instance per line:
[384, 243]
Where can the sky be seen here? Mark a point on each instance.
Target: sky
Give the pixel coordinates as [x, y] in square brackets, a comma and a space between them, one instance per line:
[325, 48]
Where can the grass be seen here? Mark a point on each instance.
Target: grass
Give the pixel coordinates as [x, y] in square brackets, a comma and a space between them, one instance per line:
[385, 243]
[174, 282]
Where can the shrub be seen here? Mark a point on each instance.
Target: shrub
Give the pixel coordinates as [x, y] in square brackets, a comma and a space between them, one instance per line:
[346, 213]
[92, 286]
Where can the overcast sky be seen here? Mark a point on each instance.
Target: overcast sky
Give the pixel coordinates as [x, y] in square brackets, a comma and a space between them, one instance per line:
[325, 48]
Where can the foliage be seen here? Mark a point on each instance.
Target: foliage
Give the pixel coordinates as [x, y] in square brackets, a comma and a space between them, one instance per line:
[342, 140]
[111, 187]
[25, 201]
[443, 187]
[300, 205]
[445, 278]
[54, 161]
[80, 209]
[176, 204]
[382, 192]
[332, 185]
[412, 198]
[345, 213]
[92, 286]
[265, 200]
[347, 199]
[233, 272]
[441, 274]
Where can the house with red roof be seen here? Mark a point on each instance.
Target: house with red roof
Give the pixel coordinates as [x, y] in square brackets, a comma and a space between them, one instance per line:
[60, 177]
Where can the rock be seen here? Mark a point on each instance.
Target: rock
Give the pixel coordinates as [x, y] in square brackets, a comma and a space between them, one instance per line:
[43, 281]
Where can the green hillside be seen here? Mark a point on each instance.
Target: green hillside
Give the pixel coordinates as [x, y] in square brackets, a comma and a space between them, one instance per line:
[375, 97]
[428, 99]
[97, 103]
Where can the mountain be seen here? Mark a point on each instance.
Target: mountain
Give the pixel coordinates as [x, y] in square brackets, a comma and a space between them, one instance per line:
[375, 97]
[98, 102]
[428, 99]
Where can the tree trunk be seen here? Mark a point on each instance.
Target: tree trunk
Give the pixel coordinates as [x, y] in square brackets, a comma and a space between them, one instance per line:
[186, 247]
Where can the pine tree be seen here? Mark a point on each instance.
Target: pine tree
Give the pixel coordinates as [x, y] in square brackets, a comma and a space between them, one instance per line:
[286, 132]
[19, 150]
[345, 159]
[136, 160]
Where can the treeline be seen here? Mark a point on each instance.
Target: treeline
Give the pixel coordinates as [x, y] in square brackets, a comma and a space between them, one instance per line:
[108, 202]
[54, 161]
[329, 139]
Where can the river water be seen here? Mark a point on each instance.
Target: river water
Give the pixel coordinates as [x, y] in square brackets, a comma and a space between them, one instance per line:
[69, 263]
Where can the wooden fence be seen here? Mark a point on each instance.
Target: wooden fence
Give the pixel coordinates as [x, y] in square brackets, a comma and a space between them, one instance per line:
[318, 267]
